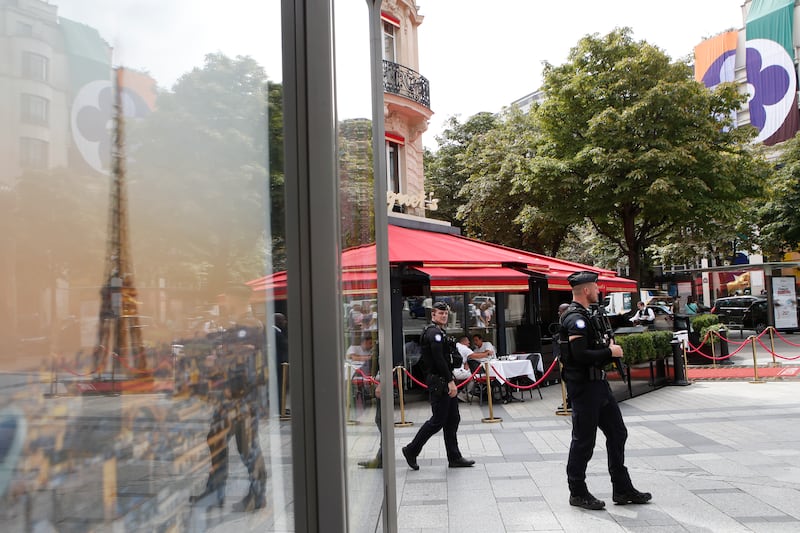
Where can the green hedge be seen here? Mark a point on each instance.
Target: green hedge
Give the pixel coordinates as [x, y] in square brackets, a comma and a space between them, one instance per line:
[701, 323]
[646, 346]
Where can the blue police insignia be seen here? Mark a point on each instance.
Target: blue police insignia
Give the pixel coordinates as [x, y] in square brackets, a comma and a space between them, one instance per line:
[580, 323]
[437, 337]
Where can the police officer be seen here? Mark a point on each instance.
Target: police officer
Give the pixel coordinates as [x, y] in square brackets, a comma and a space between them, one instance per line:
[438, 361]
[239, 352]
[584, 354]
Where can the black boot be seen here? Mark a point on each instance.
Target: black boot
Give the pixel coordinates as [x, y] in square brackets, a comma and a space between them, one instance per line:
[631, 495]
[579, 496]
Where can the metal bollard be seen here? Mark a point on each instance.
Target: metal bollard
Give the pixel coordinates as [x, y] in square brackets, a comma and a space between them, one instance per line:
[563, 410]
[679, 366]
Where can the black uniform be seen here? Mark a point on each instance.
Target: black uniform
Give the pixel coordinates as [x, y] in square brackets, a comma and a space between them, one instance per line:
[593, 404]
[437, 364]
[235, 414]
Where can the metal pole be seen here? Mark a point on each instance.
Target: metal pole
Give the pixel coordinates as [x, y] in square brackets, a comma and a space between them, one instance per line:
[772, 346]
[284, 416]
[491, 418]
[403, 423]
[756, 379]
[564, 410]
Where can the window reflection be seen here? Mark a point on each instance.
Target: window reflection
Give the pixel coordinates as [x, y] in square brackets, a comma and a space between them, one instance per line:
[142, 346]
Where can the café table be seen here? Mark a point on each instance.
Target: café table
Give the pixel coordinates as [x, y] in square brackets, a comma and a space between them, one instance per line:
[504, 369]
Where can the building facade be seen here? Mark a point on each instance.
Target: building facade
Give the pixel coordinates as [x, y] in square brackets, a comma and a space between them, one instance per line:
[407, 106]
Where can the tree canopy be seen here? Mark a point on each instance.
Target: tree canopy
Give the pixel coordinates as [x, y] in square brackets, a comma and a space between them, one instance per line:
[624, 139]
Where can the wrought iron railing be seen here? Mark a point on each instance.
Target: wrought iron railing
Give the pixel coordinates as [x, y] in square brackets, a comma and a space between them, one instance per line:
[403, 81]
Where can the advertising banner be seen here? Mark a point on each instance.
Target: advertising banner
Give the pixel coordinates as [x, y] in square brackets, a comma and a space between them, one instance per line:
[784, 302]
[771, 72]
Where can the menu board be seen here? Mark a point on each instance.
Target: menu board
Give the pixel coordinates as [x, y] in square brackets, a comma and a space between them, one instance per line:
[784, 302]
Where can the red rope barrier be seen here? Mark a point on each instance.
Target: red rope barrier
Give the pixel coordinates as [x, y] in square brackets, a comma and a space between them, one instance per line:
[729, 341]
[469, 379]
[415, 380]
[781, 337]
[130, 368]
[697, 349]
[776, 355]
[368, 379]
[535, 383]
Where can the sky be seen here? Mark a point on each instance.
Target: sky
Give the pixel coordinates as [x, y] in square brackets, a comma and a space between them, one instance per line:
[477, 55]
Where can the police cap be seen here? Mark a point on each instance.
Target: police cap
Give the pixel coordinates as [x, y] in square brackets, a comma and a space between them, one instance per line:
[581, 277]
[441, 306]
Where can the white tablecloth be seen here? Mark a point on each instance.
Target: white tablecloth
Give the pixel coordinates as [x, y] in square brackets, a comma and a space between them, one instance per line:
[504, 370]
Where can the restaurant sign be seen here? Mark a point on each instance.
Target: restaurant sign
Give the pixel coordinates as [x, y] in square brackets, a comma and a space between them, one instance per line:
[412, 200]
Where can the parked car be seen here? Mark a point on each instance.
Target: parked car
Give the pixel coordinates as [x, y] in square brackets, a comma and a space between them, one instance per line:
[733, 309]
[755, 317]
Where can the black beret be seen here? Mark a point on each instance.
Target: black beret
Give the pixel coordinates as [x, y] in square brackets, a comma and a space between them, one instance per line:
[441, 306]
[581, 277]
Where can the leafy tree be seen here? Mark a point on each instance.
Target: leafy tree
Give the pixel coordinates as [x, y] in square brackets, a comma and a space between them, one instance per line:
[445, 172]
[356, 182]
[494, 192]
[778, 216]
[639, 148]
[199, 161]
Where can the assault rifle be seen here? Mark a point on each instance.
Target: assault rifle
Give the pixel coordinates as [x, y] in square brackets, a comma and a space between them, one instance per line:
[599, 312]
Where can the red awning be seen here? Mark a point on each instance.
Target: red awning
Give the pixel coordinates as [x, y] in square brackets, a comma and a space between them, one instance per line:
[454, 264]
[495, 279]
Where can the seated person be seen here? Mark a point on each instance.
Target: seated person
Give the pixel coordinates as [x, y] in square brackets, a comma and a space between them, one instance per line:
[483, 347]
[360, 355]
[643, 316]
[466, 353]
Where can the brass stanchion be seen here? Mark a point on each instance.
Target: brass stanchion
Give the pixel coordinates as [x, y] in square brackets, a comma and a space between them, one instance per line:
[53, 379]
[772, 346]
[403, 422]
[491, 419]
[685, 361]
[284, 414]
[563, 410]
[713, 351]
[350, 421]
[756, 379]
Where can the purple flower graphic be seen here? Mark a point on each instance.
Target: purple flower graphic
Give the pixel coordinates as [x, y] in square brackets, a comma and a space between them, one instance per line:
[94, 124]
[769, 86]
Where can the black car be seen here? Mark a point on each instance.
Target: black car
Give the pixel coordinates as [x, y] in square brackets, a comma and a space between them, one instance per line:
[744, 312]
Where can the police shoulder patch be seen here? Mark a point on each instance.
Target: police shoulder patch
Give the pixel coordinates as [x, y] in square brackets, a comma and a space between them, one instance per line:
[580, 323]
[438, 337]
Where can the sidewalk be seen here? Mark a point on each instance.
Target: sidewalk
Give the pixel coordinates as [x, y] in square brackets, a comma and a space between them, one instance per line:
[717, 456]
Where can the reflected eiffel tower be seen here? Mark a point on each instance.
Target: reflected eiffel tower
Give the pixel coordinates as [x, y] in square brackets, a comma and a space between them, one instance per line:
[119, 333]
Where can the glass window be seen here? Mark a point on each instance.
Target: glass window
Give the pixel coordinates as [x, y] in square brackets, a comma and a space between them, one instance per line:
[24, 29]
[143, 286]
[33, 153]
[34, 109]
[393, 164]
[35, 66]
[389, 53]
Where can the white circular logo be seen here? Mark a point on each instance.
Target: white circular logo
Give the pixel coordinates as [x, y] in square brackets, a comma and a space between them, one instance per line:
[580, 323]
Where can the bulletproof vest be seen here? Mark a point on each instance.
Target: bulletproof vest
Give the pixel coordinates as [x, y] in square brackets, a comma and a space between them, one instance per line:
[449, 347]
[594, 333]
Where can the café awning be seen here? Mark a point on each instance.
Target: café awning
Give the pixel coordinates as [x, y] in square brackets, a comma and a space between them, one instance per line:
[453, 263]
[496, 279]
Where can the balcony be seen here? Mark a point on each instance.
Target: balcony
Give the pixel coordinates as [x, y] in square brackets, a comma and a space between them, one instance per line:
[403, 81]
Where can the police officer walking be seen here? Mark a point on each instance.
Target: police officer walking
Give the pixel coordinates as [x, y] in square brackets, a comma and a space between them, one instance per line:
[584, 354]
[438, 360]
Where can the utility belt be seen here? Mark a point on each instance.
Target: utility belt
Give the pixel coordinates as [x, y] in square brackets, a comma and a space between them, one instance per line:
[584, 374]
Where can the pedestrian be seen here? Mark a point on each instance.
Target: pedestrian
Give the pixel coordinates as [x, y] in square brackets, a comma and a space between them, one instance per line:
[438, 362]
[584, 353]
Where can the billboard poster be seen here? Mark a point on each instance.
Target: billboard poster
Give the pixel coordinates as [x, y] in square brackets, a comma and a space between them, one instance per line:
[784, 302]
[771, 76]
